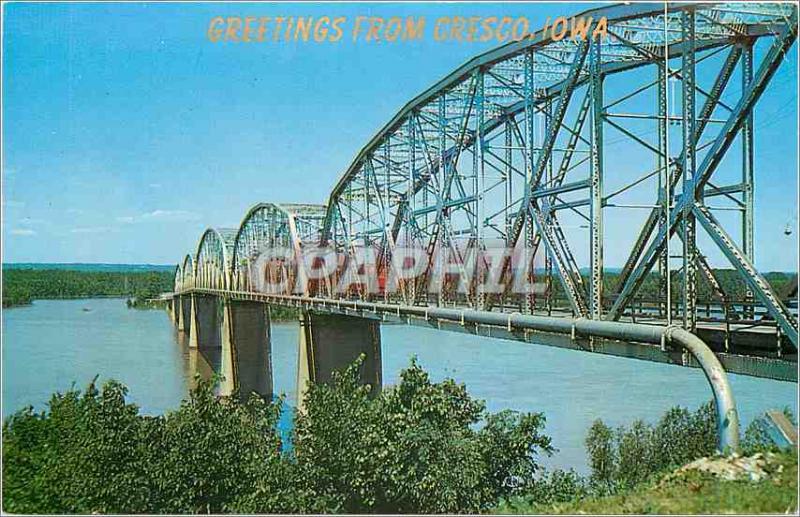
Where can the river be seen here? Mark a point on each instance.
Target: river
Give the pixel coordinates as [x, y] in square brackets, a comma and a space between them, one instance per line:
[52, 344]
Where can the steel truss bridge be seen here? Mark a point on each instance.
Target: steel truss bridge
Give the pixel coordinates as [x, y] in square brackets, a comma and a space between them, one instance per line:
[533, 145]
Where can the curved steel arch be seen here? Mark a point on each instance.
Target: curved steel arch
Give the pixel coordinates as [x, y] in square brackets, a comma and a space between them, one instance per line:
[177, 279]
[213, 264]
[269, 226]
[187, 272]
[509, 113]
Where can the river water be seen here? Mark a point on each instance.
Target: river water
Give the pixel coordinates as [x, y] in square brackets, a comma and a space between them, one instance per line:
[52, 344]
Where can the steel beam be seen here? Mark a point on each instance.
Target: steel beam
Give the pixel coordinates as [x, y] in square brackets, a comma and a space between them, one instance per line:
[761, 288]
[596, 185]
[689, 154]
[712, 159]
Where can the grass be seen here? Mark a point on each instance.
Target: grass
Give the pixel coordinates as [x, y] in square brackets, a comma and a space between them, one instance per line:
[689, 493]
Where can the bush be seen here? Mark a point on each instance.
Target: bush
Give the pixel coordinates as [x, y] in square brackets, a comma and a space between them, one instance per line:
[623, 458]
[554, 487]
[414, 448]
[418, 447]
[93, 452]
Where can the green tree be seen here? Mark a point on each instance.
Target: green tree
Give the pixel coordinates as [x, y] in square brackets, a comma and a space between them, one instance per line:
[418, 447]
[630, 455]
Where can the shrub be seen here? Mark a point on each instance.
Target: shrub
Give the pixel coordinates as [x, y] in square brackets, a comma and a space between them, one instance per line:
[415, 448]
[623, 458]
[93, 452]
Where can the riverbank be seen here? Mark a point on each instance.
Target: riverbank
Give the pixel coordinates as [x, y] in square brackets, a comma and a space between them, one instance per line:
[691, 492]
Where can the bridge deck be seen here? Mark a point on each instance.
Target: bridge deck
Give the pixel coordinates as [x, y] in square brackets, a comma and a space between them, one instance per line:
[751, 351]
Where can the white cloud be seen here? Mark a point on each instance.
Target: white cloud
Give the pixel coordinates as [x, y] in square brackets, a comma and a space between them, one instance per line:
[23, 232]
[33, 221]
[92, 229]
[160, 215]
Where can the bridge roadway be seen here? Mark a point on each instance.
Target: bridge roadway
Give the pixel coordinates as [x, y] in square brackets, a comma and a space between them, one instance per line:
[511, 148]
[558, 332]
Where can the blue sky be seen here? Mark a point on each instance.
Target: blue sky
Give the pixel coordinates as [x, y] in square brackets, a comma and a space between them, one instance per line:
[126, 132]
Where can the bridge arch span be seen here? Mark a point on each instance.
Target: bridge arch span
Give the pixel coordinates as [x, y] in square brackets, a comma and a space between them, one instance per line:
[187, 272]
[517, 147]
[270, 226]
[177, 279]
[510, 148]
[212, 266]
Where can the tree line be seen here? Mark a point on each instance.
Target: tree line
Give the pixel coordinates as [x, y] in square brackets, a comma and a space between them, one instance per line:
[22, 286]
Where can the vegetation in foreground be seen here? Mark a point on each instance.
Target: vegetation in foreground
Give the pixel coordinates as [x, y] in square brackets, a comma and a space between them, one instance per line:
[691, 492]
[22, 286]
[417, 447]
[633, 470]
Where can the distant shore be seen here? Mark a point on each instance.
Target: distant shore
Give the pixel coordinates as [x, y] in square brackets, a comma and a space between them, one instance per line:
[23, 284]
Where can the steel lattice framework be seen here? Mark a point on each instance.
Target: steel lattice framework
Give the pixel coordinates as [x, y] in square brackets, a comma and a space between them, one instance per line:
[268, 225]
[513, 143]
[213, 264]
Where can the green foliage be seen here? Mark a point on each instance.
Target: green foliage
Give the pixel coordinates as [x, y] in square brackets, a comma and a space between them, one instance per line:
[280, 313]
[630, 455]
[418, 447]
[93, 452]
[729, 279]
[632, 472]
[21, 286]
[80, 458]
[694, 493]
[602, 455]
[557, 486]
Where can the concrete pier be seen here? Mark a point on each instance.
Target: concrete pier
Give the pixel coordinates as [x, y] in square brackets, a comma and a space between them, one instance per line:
[171, 311]
[185, 313]
[204, 331]
[200, 367]
[331, 343]
[246, 349]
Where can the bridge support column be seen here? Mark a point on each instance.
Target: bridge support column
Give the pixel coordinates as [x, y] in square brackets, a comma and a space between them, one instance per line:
[200, 367]
[331, 343]
[246, 349]
[184, 314]
[172, 304]
[204, 331]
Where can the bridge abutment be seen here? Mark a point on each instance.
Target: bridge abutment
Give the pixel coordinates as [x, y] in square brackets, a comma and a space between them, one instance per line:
[246, 349]
[330, 343]
[204, 331]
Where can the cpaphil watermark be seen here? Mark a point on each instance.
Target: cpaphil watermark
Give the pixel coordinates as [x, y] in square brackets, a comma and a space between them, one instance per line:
[371, 270]
[374, 29]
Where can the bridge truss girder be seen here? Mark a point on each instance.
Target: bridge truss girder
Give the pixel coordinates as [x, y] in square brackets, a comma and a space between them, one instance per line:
[513, 147]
